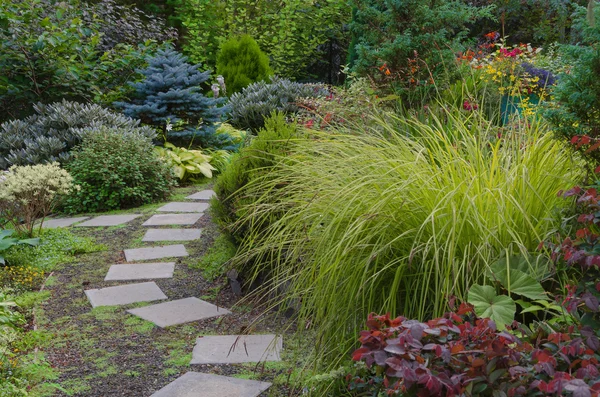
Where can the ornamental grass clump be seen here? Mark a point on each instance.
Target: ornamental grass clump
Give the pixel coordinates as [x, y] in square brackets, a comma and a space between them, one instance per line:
[397, 217]
[29, 193]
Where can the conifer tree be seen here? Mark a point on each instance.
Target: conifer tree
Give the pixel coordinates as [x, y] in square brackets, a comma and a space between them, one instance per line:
[241, 63]
[170, 98]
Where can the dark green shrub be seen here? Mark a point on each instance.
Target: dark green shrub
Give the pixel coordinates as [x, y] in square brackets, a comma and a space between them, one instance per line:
[575, 111]
[116, 170]
[52, 50]
[251, 162]
[241, 63]
[125, 24]
[255, 103]
[55, 129]
[410, 45]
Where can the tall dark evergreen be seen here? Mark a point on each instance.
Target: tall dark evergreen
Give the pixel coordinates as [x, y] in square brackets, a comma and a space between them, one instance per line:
[171, 95]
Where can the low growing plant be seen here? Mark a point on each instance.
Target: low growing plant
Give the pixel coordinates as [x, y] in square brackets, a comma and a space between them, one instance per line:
[517, 278]
[8, 316]
[579, 256]
[22, 278]
[187, 164]
[6, 241]
[460, 354]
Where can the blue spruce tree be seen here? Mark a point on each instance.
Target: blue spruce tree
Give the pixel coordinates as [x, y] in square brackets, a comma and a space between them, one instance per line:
[171, 93]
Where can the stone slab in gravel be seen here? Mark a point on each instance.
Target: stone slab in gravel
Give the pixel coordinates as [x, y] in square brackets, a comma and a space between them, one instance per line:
[195, 384]
[173, 219]
[178, 312]
[125, 294]
[165, 251]
[172, 235]
[203, 195]
[233, 349]
[62, 222]
[140, 271]
[183, 207]
[109, 220]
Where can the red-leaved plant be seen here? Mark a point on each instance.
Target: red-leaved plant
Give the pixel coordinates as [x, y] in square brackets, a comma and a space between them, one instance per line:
[462, 355]
[581, 256]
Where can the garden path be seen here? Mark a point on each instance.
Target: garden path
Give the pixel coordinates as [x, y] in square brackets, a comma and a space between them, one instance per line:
[142, 267]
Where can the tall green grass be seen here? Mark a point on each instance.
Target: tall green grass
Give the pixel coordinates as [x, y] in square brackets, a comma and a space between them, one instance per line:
[398, 217]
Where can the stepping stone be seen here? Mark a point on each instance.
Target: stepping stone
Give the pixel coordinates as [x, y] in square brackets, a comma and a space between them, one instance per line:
[179, 312]
[234, 349]
[195, 384]
[108, 220]
[183, 207]
[140, 271]
[173, 219]
[165, 251]
[172, 235]
[125, 294]
[62, 222]
[203, 195]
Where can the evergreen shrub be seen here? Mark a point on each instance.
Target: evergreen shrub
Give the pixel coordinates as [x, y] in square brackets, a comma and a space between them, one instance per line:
[55, 129]
[116, 170]
[410, 45]
[575, 111]
[170, 98]
[241, 63]
[255, 103]
[251, 162]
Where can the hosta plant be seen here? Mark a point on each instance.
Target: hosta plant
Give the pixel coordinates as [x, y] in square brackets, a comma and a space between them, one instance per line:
[187, 164]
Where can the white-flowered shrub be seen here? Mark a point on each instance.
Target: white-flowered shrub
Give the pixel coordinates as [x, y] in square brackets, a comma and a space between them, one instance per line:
[29, 193]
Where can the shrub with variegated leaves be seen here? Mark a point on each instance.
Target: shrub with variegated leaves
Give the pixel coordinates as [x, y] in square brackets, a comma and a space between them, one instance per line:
[30, 193]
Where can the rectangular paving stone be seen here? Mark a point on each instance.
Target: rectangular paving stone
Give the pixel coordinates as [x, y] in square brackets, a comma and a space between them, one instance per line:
[164, 251]
[62, 222]
[234, 349]
[173, 219]
[172, 235]
[140, 271]
[203, 195]
[125, 294]
[178, 312]
[108, 220]
[183, 207]
[196, 384]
